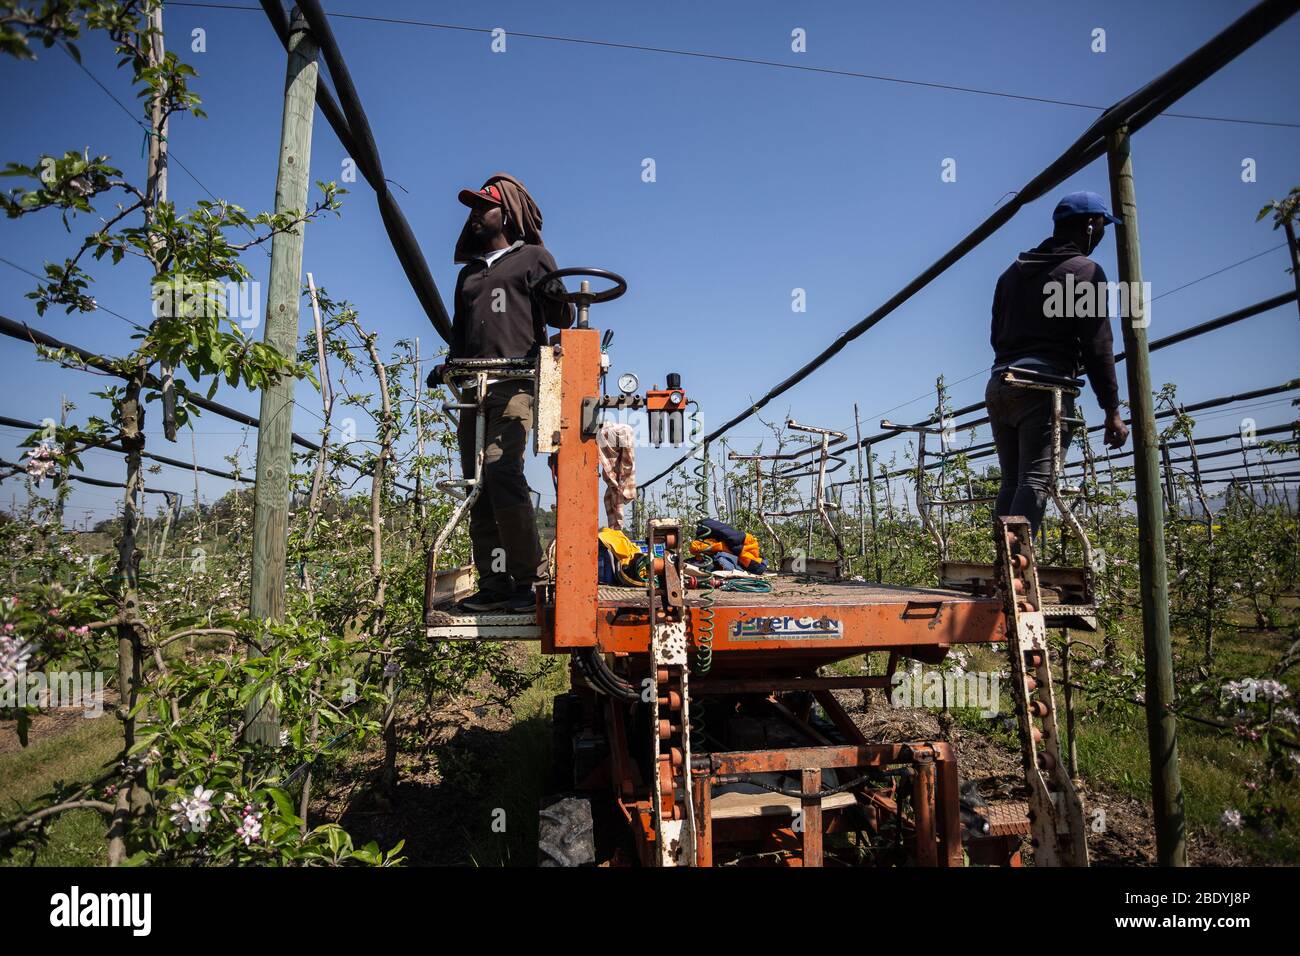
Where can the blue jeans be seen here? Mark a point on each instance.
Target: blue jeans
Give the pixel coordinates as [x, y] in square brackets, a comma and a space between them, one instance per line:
[1021, 419]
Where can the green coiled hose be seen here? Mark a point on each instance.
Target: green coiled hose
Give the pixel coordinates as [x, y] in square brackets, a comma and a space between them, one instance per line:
[747, 585]
[704, 613]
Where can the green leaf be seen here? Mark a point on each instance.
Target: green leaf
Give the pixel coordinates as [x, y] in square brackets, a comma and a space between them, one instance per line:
[285, 805]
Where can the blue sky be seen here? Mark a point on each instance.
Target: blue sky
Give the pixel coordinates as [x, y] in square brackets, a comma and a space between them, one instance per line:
[767, 180]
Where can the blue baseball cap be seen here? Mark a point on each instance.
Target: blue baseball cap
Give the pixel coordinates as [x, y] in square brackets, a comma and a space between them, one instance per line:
[1082, 204]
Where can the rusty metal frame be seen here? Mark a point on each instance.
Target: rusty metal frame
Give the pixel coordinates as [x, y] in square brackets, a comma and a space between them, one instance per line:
[936, 822]
[904, 624]
[1055, 810]
[670, 701]
[935, 827]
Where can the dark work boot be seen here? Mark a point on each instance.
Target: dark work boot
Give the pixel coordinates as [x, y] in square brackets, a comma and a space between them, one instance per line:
[481, 601]
[522, 600]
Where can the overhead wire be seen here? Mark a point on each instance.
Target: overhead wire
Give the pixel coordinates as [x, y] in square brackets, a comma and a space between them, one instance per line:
[744, 60]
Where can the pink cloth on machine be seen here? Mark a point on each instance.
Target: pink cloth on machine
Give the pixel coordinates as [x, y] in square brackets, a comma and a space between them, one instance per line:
[616, 446]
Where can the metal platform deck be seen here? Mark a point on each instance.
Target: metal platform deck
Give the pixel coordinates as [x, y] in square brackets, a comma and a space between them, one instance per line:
[450, 625]
[797, 612]
[793, 591]
[787, 592]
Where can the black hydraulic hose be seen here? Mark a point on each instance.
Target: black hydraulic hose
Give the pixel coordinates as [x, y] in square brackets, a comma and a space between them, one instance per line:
[618, 686]
[353, 130]
[593, 677]
[598, 674]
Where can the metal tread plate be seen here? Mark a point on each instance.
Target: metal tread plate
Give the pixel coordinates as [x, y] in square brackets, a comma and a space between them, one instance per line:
[1080, 616]
[1006, 818]
[448, 626]
[1068, 610]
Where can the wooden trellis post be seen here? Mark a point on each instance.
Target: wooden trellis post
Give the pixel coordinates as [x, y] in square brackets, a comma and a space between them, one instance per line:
[194, 455]
[275, 435]
[1162, 732]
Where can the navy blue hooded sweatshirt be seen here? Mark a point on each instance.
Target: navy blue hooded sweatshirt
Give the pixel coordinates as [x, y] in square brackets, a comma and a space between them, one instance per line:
[1023, 329]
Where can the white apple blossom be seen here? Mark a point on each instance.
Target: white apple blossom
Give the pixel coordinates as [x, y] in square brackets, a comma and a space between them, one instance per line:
[1250, 689]
[192, 810]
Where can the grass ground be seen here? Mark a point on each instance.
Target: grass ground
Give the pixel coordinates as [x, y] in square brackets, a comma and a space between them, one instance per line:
[1213, 764]
[1113, 758]
[518, 776]
[470, 775]
[1112, 749]
[79, 753]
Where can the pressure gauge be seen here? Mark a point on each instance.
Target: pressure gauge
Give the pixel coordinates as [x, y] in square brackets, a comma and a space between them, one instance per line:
[628, 383]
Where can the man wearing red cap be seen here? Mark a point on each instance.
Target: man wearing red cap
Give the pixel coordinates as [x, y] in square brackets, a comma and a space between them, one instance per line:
[501, 313]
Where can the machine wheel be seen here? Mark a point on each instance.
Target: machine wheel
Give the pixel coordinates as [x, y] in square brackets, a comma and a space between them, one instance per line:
[565, 833]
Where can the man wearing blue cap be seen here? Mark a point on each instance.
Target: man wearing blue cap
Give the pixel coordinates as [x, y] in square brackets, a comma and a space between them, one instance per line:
[1032, 331]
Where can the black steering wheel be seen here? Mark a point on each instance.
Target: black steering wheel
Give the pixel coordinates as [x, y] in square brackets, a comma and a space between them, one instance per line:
[581, 298]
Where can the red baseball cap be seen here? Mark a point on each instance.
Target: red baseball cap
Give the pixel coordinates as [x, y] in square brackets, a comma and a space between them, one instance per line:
[489, 195]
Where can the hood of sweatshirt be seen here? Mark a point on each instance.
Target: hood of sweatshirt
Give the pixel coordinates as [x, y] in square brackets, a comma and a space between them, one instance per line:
[1046, 256]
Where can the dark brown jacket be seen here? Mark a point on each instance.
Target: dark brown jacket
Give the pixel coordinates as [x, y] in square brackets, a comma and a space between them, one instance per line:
[499, 312]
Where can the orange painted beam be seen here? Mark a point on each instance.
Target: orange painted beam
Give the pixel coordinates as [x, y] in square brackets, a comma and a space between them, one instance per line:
[846, 628]
[577, 520]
